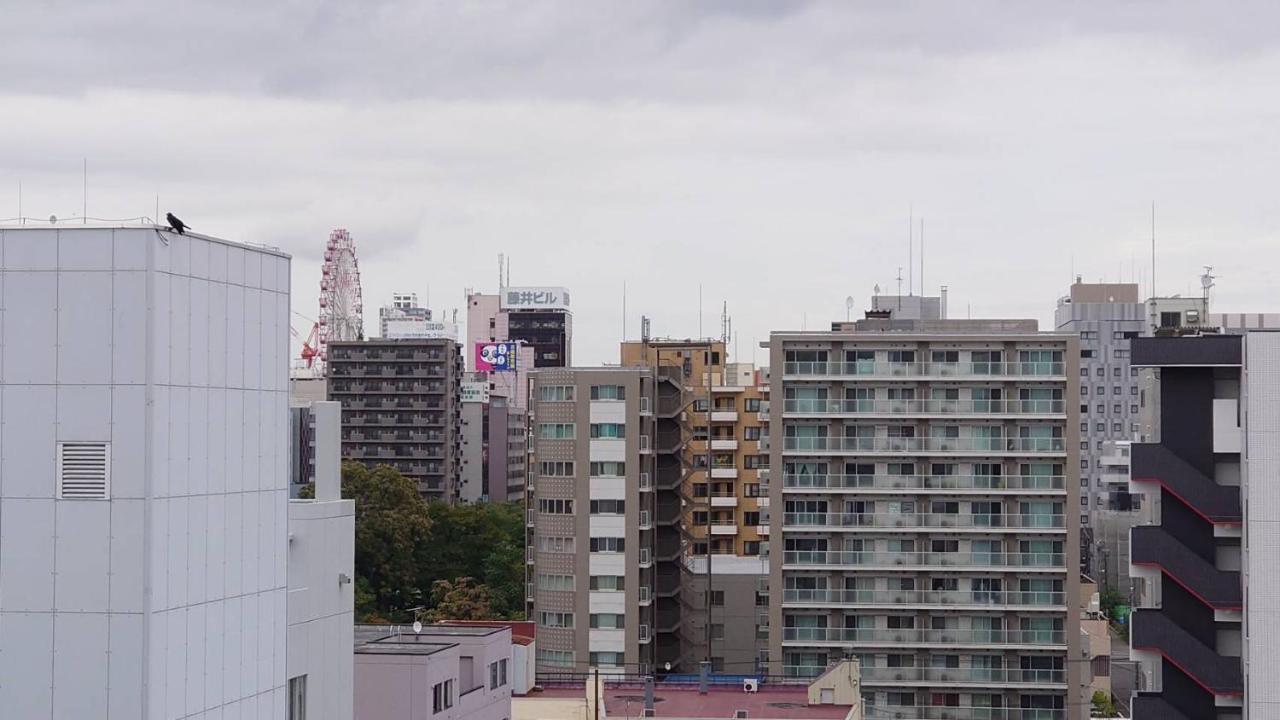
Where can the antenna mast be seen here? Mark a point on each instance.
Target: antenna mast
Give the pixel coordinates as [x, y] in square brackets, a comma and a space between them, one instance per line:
[911, 244]
[1153, 249]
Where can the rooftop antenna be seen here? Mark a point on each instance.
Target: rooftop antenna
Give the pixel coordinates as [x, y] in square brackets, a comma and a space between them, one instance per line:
[911, 263]
[624, 311]
[1153, 249]
[724, 322]
[84, 192]
[922, 287]
[1206, 282]
[899, 287]
[848, 307]
[501, 260]
[20, 222]
[699, 310]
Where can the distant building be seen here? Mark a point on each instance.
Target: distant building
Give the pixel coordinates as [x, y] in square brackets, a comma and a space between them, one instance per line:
[537, 317]
[403, 312]
[493, 446]
[401, 406]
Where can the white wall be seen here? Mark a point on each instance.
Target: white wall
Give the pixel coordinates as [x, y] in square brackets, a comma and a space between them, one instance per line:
[1262, 525]
[174, 350]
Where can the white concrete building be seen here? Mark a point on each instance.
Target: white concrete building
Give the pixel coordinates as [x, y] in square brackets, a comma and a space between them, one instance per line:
[143, 471]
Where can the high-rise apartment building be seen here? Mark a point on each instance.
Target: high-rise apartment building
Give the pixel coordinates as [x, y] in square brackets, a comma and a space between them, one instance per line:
[1205, 632]
[924, 501]
[1106, 317]
[143, 475]
[731, 507]
[401, 407]
[592, 516]
[494, 453]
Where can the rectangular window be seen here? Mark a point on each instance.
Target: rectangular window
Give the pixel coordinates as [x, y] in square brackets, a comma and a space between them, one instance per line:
[751, 517]
[556, 431]
[558, 545]
[608, 392]
[1088, 334]
[608, 545]
[717, 598]
[751, 404]
[298, 698]
[608, 468]
[751, 432]
[555, 619]
[606, 659]
[751, 489]
[751, 547]
[442, 696]
[610, 431]
[608, 507]
[1117, 427]
[555, 582]
[755, 462]
[559, 468]
[608, 621]
[555, 393]
[1120, 353]
[498, 674]
[558, 658]
[555, 506]
[1084, 372]
[1086, 353]
[608, 583]
[717, 631]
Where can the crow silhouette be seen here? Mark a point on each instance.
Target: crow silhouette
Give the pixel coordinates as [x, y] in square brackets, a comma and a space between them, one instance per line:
[175, 224]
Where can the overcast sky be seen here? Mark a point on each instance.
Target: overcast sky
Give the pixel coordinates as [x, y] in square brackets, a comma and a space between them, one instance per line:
[769, 152]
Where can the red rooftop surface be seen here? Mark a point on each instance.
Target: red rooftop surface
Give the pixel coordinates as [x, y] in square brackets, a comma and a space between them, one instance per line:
[776, 702]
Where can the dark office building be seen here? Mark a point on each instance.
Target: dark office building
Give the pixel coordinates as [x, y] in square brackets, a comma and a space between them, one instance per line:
[401, 407]
[547, 331]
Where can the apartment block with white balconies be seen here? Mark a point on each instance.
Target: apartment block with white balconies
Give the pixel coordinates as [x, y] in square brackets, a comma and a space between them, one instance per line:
[925, 513]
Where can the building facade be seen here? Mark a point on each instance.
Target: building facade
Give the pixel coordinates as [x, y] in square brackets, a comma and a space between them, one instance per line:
[924, 513]
[494, 454]
[403, 312]
[592, 517]
[401, 407]
[1207, 458]
[143, 475]
[538, 318]
[1106, 317]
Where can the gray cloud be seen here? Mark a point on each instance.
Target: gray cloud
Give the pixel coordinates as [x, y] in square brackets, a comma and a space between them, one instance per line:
[767, 151]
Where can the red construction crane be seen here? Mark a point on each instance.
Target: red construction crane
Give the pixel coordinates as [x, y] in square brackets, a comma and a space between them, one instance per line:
[310, 351]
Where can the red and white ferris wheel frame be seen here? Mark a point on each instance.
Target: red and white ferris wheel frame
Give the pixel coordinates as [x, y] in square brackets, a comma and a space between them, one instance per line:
[341, 302]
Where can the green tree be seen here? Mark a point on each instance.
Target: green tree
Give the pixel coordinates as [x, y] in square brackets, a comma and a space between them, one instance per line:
[461, 599]
[483, 541]
[1103, 705]
[392, 540]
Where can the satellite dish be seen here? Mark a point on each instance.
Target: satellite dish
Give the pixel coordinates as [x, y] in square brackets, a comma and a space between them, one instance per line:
[53, 219]
[417, 627]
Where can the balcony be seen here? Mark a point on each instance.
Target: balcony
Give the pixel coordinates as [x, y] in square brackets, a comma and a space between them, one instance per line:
[724, 473]
[643, 595]
[890, 370]
[724, 416]
[1154, 631]
[724, 444]
[1155, 463]
[1153, 546]
[646, 520]
[985, 484]
[900, 521]
[983, 677]
[841, 559]
[724, 527]
[921, 446]
[951, 599]
[944, 408]
[724, 500]
[919, 637]
[953, 712]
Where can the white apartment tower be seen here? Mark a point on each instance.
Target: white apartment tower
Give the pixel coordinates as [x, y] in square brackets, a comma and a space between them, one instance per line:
[143, 480]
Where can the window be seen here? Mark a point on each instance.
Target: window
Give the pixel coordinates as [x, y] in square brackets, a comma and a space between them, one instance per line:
[701, 405]
[555, 582]
[1100, 427]
[1133, 390]
[498, 673]
[755, 462]
[608, 469]
[1084, 372]
[751, 517]
[1088, 334]
[1120, 353]
[1084, 427]
[1116, 390]
[442, 696]
[608, 621]
[751, 547]
[751, 489]
[555, 544]
[1133, 408]
[717, 598]
[1133, 372]
[1102, 372]
[555, 393]
[1084, 444]
[1084, 501]
[606, 659]
[751, 433]
[608, 392]
[1100, 408]
[608, 507]
[751, 404]
[717, 631]
[556, 469]
[1100, 390]
[608, 545]
[1116, 372]
[1117, 427]
[611, 431]
[556, 431]
[1084, 463]
[298, 698]
[945, 356]
[902, 356]
[1086, 353]
[559, 658]
[551, 619]
[1084, 519]
[1084, 408]
[555, 506]
[1084, 390]
[609, 583]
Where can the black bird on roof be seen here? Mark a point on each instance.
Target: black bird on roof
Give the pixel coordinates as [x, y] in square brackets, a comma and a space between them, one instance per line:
[175, 224]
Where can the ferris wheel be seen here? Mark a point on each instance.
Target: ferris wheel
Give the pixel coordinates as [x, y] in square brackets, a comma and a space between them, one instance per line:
[341, 306]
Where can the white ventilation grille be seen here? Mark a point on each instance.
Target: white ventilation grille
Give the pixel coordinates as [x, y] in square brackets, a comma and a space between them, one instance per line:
[83, 470]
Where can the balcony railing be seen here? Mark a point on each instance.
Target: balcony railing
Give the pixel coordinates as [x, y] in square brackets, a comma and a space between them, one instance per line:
[924, 520]
[916, 445]
[796, 596]
[943, 676]
[850, 558]
[924, 482]
[925, 369]
[950, 712]
[923, 636]
[923, 407]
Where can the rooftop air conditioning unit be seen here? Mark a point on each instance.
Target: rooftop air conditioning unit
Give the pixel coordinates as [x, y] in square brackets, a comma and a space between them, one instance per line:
[750, 685]
[739, 714]
[649, 712]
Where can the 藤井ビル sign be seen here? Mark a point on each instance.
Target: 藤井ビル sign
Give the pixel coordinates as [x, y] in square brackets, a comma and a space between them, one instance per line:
[534, 298]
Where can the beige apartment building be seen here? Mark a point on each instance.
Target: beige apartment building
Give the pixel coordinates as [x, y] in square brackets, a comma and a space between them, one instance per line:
[925, 493]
